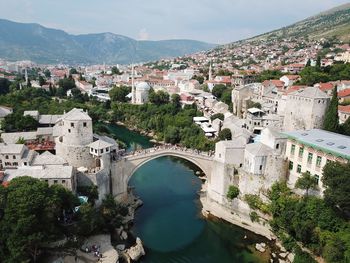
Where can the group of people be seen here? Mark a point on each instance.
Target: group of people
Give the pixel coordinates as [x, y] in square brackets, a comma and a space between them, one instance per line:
[171, 147]
[95, 249]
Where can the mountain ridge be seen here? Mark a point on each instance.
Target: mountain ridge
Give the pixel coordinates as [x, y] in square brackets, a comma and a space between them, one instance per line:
[32, 41]
[336, 21]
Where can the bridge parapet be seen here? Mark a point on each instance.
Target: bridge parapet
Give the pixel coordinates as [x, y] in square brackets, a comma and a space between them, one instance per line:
[169, 149]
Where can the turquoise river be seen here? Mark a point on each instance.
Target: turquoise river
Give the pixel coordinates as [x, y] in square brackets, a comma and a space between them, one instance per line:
[170, 224]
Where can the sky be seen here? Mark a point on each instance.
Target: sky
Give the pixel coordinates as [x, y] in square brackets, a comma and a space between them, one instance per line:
[213, 21]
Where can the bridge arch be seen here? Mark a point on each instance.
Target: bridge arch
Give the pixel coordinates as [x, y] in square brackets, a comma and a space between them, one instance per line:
[125, 167]
[200, 165]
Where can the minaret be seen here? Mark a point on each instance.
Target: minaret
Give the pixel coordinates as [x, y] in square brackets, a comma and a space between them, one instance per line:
[210, 72]
[133, 91]
[26, 76]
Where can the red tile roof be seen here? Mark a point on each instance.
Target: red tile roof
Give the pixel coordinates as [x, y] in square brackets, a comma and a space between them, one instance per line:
[294, 88]
[325, 86]
[344, 93]
[292, 77]
[345, 109]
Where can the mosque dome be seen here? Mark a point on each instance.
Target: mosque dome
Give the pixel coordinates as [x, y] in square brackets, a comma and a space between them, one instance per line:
[143, 86]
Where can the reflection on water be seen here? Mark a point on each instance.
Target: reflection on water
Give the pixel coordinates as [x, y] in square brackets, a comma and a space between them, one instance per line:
[169, 223]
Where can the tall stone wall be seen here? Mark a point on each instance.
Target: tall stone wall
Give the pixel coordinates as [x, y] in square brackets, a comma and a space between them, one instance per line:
[77, 156]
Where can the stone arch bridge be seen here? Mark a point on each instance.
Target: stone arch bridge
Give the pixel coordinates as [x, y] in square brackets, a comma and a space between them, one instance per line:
[124, 167]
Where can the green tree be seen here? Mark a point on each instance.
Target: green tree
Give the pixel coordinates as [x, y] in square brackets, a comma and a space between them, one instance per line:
[225, 134]
[176, 100]
[119, 94]
[232, 192]
[47, 73]
[73, 71]
[17, 122]
[219, 116]
[308, 63]
[30, 219]
[115, 71]
[158, 98]
[336, 180]
[306, 182]
[172, 135]
[318, 61]
[331, 120]
[41, 81]
[4, 86]
[269, 74]
[218, 90]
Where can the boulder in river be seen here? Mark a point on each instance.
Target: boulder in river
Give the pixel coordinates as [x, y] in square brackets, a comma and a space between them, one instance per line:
[137, 251]
[261, 247]
[124, 235]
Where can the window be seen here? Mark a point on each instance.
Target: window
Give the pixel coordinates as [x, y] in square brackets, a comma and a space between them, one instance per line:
[25, 163]
[107, 150]
[72, 124]
[292, 150]
[291, 165]
[15, 164]
[309, 158]
[84, 124]
[63, 181]
[14, 157]
[6, 157]
[101, 150]
[260, 168]
[301, 152]
[277, 146]
[317, 178]
[318, 161]
[299, 168]
[55, 181]
[69, 130]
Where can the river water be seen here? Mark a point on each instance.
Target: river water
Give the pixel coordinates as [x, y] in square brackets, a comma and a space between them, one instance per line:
[169, 223]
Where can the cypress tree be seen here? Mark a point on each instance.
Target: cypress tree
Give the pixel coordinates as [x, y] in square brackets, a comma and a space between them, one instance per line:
[331, 120]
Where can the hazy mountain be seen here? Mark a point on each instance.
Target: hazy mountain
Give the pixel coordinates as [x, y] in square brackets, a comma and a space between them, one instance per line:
[332, 23]
[20, 41]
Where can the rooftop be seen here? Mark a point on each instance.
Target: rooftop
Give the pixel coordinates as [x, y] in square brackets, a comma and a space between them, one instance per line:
[48, 158]
[313, 93]
[76, 115]
[329, 142]
[40, 172]
[11, 148]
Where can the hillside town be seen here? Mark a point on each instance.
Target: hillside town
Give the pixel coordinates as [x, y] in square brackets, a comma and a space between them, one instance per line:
[250, 115]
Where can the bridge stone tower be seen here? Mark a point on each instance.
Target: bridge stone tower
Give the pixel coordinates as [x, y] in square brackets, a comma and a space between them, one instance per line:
[75, 133]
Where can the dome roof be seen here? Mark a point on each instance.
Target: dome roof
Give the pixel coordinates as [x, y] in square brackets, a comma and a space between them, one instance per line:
[142, 86]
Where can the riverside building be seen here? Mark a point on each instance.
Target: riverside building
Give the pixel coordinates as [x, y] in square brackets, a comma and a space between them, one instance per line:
[310, 150]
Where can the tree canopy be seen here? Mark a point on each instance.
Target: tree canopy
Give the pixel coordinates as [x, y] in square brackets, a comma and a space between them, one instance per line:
[336, 180]
[31, 209]
[118, 94]
[331, 119]
[306, 182]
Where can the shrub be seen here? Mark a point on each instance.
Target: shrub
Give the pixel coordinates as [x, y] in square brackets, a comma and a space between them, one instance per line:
[254, 216]
[232, 192]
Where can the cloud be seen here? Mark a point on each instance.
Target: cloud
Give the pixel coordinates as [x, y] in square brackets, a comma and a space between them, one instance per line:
[143, 34]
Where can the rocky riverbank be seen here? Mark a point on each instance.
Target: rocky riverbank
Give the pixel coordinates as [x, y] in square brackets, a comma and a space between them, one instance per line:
[124, 236]
[273, 249]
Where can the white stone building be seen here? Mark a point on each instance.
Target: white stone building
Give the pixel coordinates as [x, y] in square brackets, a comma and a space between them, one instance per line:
[141, 93]
[309, 151]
